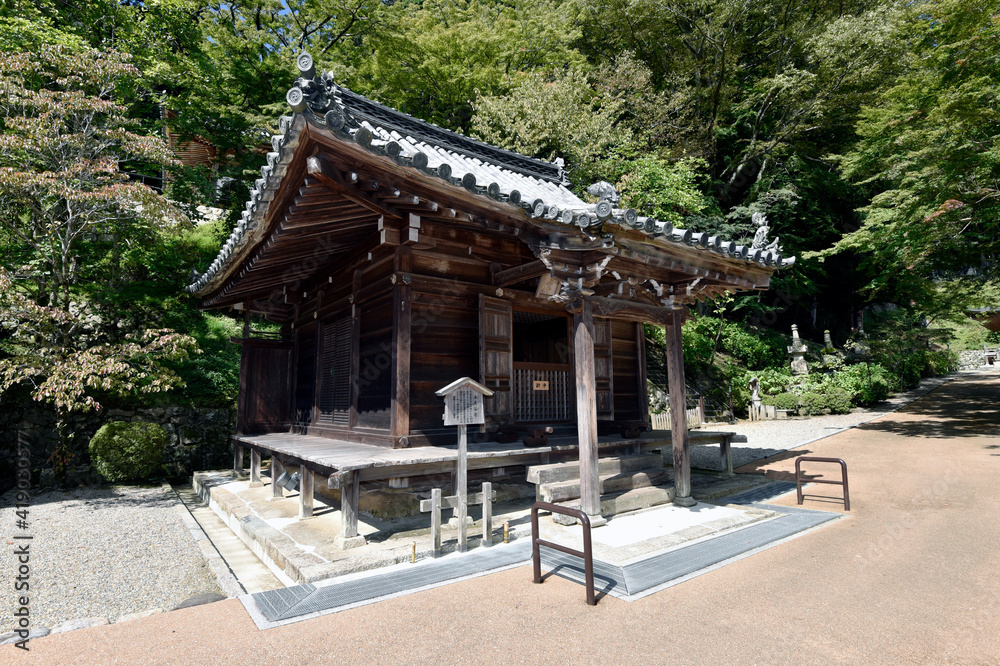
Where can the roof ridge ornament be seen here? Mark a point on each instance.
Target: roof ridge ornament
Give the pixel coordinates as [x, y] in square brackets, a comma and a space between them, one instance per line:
[604, 191]
[760, 241]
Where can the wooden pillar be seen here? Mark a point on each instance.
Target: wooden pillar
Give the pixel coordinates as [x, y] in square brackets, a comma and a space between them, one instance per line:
[400, 374]
[277, 492]
[237, 461]
[306, 491]
[254, 466]
[640, 361]
[400, 414]
[586, 409]
[350, 493]
[678, 411]
[725, 453]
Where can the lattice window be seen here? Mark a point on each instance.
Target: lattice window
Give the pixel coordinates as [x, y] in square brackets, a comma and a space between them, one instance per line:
[335, 369]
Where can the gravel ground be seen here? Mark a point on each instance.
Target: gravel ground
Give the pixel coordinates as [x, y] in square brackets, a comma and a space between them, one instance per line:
[767, 438]
[102, 552]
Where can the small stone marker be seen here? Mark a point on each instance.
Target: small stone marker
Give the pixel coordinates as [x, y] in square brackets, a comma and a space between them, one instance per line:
[463, 406]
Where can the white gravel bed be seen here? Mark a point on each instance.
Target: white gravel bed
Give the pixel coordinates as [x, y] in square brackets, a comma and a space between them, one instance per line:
[101, 552]
[768, 438]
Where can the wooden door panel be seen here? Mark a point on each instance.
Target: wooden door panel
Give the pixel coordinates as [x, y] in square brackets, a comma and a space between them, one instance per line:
[496, 357]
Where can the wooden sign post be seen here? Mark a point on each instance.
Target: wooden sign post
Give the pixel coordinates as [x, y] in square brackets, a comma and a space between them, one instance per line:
[463, 406]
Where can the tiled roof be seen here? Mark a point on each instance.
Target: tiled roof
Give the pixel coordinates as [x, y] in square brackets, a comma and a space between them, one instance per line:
[537, 186]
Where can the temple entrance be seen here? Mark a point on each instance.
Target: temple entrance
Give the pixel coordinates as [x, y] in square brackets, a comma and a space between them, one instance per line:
[542, 359]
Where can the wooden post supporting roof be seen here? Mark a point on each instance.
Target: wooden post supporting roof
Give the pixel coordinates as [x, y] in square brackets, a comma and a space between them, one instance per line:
[350, 494]
[678, 411]
[586, 409]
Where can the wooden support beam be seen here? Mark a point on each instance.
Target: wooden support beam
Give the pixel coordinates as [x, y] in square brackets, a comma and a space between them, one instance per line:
[615, 308]
[237, 461]
[277, 492]
[400, 380]
[678, 411]
[323, 171]
[350, 494]
[254, 466]
[306, 491]
[532, 269]
[640, 358]
[586, 408]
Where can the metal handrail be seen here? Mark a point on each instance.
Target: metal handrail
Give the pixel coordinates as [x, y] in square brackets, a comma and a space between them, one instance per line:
[842, 482]
[587, 554]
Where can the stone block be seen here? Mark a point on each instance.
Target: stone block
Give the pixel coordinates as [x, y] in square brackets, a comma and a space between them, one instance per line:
[200, 600]
[73, 625]
[128, 617]
[345, 543]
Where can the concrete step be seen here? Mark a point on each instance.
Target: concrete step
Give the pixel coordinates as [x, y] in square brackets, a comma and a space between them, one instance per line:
[567, 471]
[615, 483]
[632, 500]
[252, 574]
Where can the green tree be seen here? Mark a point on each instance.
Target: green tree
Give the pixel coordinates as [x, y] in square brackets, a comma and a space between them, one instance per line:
[67, 212]
[434, 58]
[929, 155]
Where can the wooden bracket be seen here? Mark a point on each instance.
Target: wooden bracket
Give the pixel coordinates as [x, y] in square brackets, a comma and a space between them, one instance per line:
[322, 170]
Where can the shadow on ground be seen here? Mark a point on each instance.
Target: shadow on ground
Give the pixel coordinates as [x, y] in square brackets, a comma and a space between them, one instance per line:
[972, 412]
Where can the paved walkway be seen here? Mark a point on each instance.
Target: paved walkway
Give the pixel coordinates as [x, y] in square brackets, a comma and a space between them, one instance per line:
[910, 577]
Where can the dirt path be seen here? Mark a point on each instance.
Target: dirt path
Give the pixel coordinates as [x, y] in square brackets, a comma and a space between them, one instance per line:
[912, 576]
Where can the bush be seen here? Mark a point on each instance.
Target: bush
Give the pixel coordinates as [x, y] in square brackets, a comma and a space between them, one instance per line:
[123, 451]
[839, 401]
[813, 403]
[788, 401]
[867, 383]
[941, 362]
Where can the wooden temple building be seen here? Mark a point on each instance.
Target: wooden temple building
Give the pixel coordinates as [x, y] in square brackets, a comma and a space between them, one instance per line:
[399, 256]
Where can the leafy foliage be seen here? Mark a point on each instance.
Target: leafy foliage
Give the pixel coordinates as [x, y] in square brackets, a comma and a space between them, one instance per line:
[51, 350]
[125, 451]
[929, 153]
[787, 400]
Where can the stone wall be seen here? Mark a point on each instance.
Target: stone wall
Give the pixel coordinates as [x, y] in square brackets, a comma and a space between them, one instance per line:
[972, 359]
[199, 438]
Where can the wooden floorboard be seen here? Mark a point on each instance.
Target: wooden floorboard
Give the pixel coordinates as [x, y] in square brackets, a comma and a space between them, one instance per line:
[342, 456]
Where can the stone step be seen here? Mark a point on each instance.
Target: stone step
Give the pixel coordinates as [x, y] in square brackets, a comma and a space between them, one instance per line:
[567, 471]
[632, 500]
[569, 490]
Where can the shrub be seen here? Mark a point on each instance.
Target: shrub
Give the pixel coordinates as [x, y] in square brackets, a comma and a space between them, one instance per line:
[839, 401]
[123, 451]
[813, 403]
[867, 383]
[788, 401]
[941, 362]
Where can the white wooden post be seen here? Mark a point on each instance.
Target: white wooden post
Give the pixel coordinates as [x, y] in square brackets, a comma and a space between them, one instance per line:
[436, 521]
[463, 490]
[237, 461]
[487, 514]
